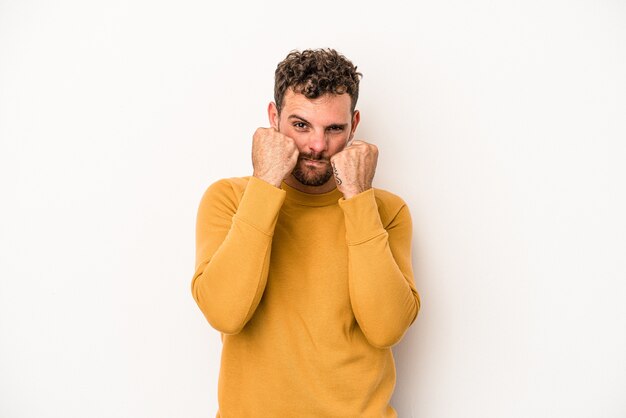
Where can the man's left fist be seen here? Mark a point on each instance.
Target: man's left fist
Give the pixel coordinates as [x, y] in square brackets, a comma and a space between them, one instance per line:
[354, 168]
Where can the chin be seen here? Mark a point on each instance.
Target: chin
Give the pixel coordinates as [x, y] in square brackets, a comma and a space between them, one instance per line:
[312, 178]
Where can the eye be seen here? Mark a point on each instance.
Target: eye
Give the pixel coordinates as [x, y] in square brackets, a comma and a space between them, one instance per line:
[335, 128]
[299, 125]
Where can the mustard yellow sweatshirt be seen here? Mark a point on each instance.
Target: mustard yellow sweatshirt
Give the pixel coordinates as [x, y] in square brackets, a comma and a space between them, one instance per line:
[309, 293]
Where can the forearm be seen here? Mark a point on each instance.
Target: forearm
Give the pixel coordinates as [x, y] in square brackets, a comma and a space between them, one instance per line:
[229, 285]
[383, 302]
[232, 266]
[382, 293]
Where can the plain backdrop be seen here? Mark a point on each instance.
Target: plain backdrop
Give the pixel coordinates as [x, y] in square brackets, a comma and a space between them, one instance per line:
[501, 123]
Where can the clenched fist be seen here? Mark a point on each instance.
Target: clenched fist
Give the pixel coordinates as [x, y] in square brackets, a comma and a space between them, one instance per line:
[354, 168]
[274, 155]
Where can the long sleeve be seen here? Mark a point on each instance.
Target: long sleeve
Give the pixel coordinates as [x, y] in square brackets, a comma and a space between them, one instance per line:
[382, 291]
[233, 244]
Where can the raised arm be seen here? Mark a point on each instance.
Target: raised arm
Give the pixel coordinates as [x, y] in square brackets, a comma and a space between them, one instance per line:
[233, 244]
[382, 291]
[234, 230]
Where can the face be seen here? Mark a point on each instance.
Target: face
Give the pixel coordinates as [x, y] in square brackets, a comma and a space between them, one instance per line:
[321, 128]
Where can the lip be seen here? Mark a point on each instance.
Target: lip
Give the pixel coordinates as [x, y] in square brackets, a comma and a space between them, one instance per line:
[314, 162]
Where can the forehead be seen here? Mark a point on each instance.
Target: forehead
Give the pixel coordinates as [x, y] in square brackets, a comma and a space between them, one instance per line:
[327, 109]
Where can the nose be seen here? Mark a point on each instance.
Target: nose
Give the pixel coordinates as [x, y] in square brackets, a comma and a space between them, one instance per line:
[317, 142]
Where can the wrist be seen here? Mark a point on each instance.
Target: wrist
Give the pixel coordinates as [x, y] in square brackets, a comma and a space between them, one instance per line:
[350, 193]
[273, 181]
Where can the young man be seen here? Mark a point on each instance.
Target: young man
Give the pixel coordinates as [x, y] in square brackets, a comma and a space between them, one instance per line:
[303, 267]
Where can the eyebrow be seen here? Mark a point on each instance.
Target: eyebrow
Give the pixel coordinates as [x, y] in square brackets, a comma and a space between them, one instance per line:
[332, 125]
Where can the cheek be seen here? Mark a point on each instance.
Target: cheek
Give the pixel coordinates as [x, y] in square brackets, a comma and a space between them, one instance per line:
[337, 145]
[300, 142]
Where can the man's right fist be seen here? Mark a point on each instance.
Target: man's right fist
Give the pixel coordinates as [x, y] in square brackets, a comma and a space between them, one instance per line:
[274, 155]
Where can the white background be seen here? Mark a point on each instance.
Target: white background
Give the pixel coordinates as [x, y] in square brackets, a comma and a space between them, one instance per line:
[501, 123]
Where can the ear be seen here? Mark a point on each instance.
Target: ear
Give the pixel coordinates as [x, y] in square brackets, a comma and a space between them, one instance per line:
[356, 118]
[272, 115]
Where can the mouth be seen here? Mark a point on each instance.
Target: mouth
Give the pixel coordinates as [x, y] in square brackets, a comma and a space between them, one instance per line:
[312, 162]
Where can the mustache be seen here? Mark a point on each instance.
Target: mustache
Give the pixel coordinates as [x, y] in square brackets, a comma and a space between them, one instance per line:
[313, 156]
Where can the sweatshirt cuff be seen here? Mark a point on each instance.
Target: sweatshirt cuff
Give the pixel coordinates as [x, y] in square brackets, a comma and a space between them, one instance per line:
[260, 205]
[361, 217]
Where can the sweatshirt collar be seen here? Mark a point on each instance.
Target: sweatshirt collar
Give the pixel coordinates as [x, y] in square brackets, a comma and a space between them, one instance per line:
[308, 199]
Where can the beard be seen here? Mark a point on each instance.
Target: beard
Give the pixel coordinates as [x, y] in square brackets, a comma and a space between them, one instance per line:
[312, 177]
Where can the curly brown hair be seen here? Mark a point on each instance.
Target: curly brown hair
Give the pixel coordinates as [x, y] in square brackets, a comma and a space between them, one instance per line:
[315, 72]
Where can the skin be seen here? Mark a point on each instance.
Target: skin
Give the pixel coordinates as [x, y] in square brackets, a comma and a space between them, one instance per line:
[311, 140]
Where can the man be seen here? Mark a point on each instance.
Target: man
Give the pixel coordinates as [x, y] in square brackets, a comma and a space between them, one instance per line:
[303, 267]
